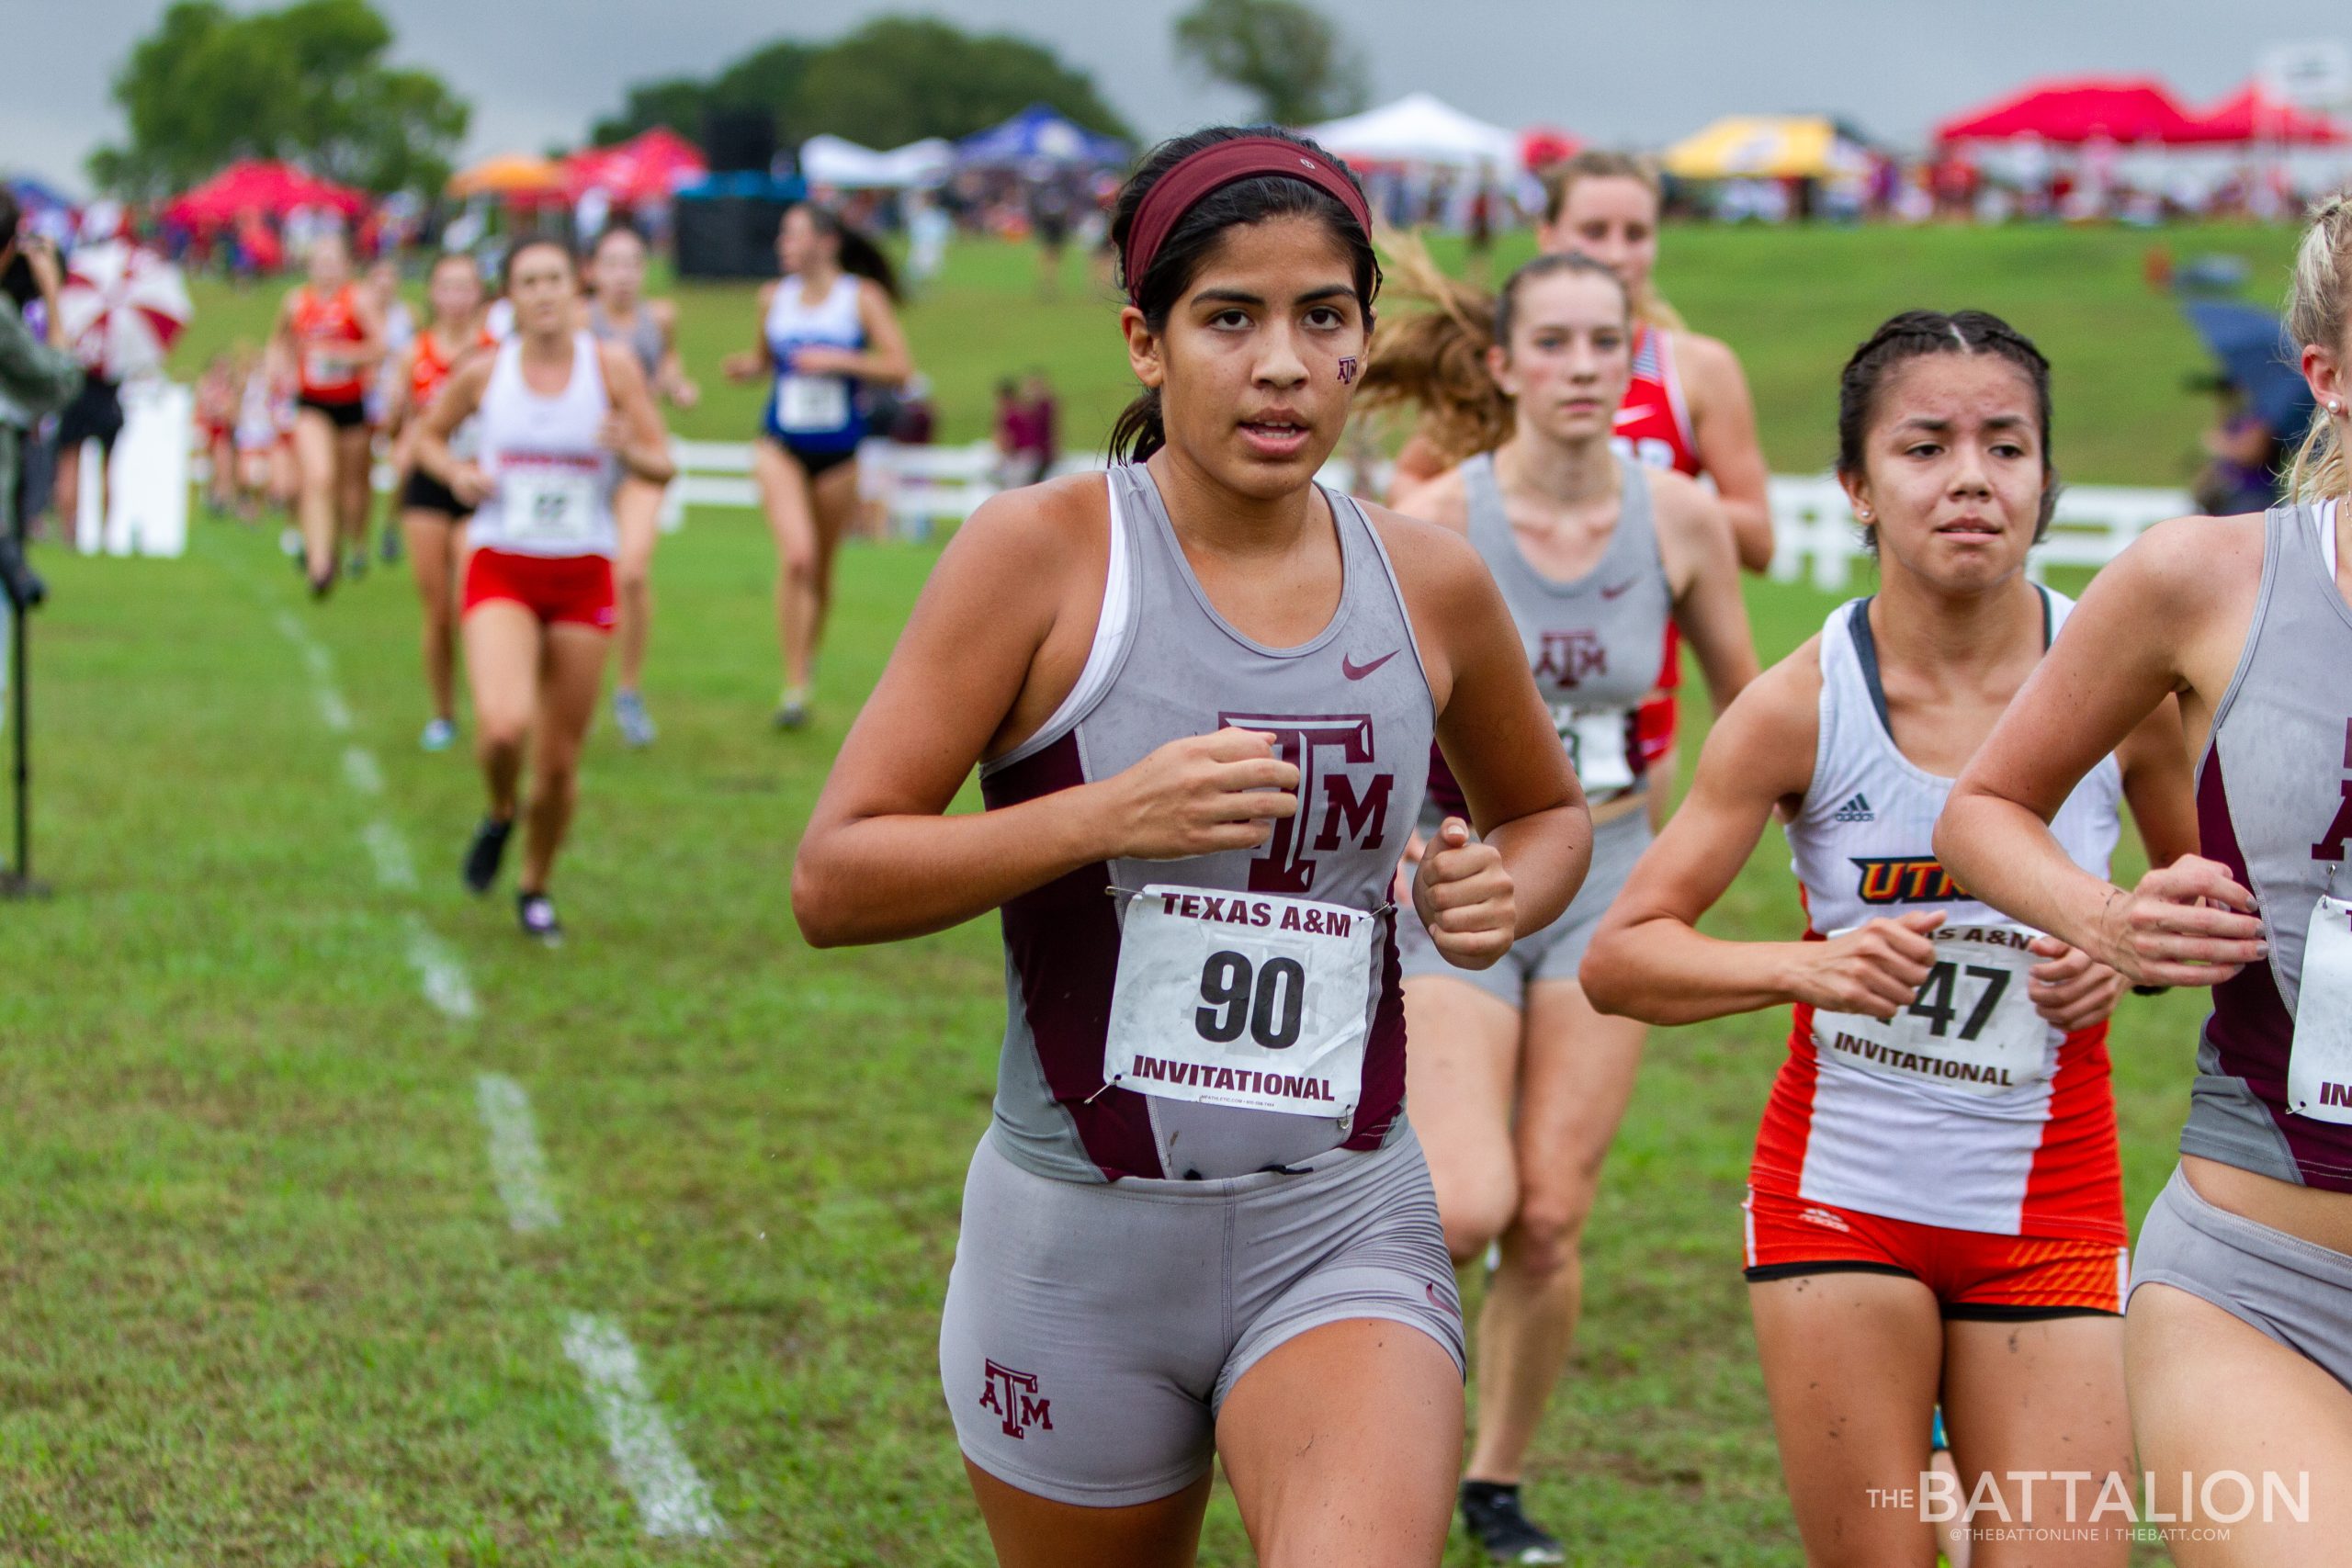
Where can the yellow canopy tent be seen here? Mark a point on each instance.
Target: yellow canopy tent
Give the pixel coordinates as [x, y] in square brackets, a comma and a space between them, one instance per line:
[1764, 147]
[511, 174]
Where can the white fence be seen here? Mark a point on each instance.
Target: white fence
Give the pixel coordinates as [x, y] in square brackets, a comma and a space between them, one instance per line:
[1814, 534]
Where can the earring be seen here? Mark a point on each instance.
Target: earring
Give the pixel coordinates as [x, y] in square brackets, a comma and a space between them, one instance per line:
[2334, 407]
[1863, 512]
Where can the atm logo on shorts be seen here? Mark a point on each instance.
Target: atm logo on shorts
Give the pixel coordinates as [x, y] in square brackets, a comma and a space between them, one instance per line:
[1334, 813]
[1905, 879]
[1013, 1397]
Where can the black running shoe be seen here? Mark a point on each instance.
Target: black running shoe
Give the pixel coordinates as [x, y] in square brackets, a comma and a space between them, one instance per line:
[537, 913]
[1502, 1532]
[483, 854]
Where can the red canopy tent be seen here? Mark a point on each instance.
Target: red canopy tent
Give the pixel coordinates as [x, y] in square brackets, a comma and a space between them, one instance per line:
[2252, 114]
[1541, 146]
[2075, 110]
[647, 167]
[273, 189]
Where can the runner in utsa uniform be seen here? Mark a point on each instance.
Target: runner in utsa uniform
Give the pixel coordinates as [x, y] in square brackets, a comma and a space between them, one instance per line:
[561, 415]
[619, 313]
[332, 336]
[432, 517]
[827, 329]
[2239, 1344]
[1519, 1084]
[1203, 699]
[1935, 1201]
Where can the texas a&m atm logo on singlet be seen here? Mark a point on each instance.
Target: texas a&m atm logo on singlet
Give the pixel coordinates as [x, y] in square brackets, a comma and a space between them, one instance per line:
[2339, 837]
[1013, 1397]
[1336, 809]
[1905, 879]
[1570, 659]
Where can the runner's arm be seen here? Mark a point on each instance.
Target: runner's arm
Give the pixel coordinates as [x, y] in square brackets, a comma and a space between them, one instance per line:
[670, 377]
[881, 861]
[2114, 663]
[1492, 727]
[1649, 961]
[634, 431]
[459, 396]
[373, 345]
[2159, 784]
[758, 360]
[1723, 419]
[1702, 568]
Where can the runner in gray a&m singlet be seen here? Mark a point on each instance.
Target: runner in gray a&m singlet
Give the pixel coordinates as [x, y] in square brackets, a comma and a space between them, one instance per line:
[1351, 708]
[2274, 1065]
[644, 338]
[1585, 639]
[1127, 1256]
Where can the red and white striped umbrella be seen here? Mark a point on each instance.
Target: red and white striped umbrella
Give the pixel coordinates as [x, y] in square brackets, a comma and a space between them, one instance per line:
[122, 307]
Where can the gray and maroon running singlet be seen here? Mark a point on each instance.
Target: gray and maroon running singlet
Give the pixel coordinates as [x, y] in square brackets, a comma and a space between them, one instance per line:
[1259, 1018]
[2274, 805]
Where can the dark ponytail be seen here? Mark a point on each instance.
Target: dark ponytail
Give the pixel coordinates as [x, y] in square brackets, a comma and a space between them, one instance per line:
[1139, 431]
[856, 251]
[1914, 335]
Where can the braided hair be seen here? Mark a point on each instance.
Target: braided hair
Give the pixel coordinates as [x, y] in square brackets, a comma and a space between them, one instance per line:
[1435, 359]
[1912, 335]
[2315, 306]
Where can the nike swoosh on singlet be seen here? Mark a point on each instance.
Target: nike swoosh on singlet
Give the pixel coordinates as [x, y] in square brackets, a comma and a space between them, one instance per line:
[1355, 671]
[1626, 416]
[1609, 592]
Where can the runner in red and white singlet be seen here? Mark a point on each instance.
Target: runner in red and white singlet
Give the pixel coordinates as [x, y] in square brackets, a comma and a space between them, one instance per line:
[433, 519]
[327, 341]
[1935, 1205]
[562, 416]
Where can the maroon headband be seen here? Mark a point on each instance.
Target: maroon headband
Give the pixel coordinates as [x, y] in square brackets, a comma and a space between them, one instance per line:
[1213, 168]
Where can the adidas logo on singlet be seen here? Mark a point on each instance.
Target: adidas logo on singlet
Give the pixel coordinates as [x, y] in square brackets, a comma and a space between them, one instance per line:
[1855, 810]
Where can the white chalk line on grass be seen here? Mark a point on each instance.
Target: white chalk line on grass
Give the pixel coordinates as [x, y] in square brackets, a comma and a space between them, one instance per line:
[445, 978]
[394, 867]
[361, 770]
[670, 1494]
[517, 1163]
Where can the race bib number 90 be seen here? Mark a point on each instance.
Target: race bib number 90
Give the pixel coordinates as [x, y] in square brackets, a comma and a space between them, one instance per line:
[1245, 999]
[1972, 1026]
[2319, 1072]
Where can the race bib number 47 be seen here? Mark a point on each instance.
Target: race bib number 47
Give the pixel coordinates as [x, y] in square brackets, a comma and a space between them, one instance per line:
[2319, 1072]
[1245, 999]
[1972, 1027]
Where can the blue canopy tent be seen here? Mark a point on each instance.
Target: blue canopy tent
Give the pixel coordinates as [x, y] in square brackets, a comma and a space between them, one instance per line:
[1039, 135]
[37, 196]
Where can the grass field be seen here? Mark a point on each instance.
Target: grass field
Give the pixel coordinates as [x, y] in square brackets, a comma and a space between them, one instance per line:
[259, 1301]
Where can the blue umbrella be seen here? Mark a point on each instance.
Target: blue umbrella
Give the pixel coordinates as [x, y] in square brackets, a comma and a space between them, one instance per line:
[2259, 358]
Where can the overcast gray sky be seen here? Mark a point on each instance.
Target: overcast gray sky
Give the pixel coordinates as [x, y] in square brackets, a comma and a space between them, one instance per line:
[1632, 72]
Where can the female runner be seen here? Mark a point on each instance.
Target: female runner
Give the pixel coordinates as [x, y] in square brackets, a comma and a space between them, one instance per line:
[1519, 1084]
[332, 335]
[1202, 698]
[619, 313]
[827, 329]
[561, 415]
[432, 517]
[2239, 1345]
[1935, 1201]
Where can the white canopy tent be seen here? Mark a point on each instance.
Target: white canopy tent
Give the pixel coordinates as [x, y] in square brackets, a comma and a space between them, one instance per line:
[1421, 128]
[835, 161]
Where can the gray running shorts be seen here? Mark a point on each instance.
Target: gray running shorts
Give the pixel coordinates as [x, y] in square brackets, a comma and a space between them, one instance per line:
[1554, 952]
[2297, 1291]
[1092, 1331]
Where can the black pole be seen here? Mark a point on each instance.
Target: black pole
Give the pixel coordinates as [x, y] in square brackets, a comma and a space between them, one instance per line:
[24, 592]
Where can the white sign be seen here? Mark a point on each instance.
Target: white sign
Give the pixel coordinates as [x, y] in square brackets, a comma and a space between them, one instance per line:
[2314, 75]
